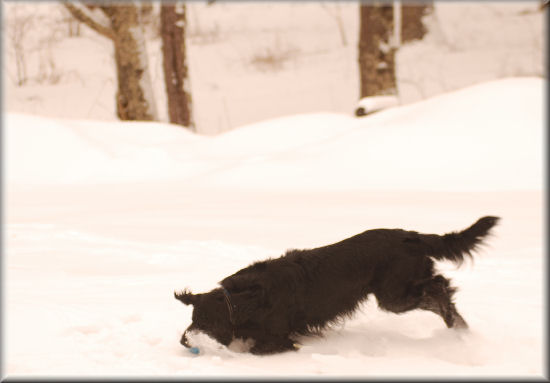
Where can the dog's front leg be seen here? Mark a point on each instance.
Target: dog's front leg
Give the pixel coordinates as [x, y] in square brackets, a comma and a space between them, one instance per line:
[273, 345]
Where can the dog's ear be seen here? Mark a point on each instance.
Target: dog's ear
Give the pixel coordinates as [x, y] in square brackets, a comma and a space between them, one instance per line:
[187, 297]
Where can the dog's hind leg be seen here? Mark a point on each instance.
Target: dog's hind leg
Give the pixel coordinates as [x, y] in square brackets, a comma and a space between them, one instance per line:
[437, 298]
[406, 300]
[434, 294]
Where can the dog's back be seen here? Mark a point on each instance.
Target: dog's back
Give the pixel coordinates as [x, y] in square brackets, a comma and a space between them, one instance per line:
[453, 246]
[329, 282]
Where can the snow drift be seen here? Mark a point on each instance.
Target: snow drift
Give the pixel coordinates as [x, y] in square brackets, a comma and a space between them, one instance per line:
[485, 137]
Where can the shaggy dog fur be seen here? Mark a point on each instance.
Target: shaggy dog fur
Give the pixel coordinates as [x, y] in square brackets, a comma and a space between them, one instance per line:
[304, 291]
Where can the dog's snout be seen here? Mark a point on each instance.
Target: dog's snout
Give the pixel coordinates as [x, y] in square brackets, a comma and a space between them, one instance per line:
[184, 341]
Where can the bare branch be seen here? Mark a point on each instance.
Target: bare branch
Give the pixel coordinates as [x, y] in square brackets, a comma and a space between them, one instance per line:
[95, 19]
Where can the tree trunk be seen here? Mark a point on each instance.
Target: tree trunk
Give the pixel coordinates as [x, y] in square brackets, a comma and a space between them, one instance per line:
[176, 74]
[412, 25]
[134, 97]
[120, 23]
[376, 55]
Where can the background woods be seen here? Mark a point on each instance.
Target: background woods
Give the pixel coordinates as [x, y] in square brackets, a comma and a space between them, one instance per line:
[304, 57]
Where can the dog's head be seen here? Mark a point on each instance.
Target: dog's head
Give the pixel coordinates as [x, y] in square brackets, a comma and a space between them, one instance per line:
[210, 315]
[220, 312]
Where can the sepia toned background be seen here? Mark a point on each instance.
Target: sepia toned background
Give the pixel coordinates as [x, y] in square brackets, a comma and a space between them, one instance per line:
[127, 176]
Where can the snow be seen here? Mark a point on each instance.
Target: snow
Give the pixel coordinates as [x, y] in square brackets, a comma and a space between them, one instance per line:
[104, 220]
[375, 103]
[311, 151]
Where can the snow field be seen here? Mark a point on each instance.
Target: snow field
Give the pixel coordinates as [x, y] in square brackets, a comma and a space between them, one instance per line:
[311, 152]
[104, 244]
[106, 308]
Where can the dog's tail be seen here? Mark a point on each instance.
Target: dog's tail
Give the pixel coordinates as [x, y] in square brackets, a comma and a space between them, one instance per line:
[456, 245]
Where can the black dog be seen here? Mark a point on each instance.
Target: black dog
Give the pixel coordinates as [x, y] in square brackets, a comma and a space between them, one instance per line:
[304, 291]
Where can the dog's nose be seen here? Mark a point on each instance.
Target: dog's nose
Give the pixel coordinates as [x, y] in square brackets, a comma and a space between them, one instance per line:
[184, 341]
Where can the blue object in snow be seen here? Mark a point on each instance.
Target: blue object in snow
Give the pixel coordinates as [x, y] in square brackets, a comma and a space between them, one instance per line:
[194, 350]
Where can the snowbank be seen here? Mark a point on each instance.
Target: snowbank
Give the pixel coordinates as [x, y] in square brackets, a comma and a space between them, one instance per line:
[55, 151]
[485, 137]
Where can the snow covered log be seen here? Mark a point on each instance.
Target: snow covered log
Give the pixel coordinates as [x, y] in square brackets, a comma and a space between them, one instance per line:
[368, 105]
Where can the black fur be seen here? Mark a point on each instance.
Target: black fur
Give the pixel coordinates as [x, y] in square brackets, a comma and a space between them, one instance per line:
[304, 291]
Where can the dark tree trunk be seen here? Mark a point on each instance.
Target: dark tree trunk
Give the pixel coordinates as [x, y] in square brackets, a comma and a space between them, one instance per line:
[176, 75]
[134, 98]
[376, 55]
[412, 27]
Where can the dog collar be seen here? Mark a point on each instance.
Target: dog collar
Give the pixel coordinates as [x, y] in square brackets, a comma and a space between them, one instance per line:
[230, 305]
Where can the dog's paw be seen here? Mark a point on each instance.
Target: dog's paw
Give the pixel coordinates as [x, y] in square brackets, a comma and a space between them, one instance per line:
[459, 323]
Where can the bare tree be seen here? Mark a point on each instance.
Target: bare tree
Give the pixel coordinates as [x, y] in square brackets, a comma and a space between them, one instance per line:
[17, 26]
[376, 54]
[376, 48]
[176, 73]
[120, 23]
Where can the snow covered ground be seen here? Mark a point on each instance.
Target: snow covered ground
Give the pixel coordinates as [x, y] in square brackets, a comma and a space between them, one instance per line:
[104, 220]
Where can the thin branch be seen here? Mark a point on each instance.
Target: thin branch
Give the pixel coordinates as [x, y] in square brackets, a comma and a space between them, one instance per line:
[96, 20]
